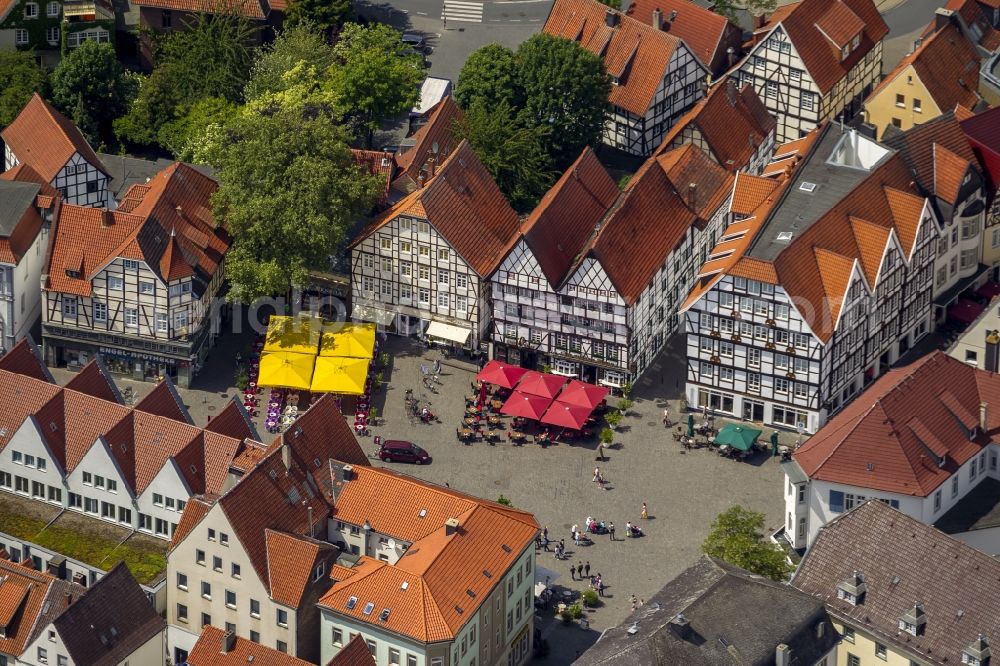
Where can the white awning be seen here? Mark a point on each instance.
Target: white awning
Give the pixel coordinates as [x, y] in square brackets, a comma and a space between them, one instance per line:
[374, 315]
[448, 332]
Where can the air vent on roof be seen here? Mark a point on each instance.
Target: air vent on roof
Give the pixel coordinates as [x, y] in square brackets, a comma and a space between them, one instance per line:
[317, 462]
[124, 448]
[807, 187]
[470, 593]
[384, 615]
[423, 513]
[634, 629]
[351, 603]
[52, 426]
[487, 573]
[293, 495]
[784, 236]
[194, 470]
[405, 585]
[114, 631]
[459, 610]
[3, 432]
[273, 474]
[506, 548]
[104, 640]
[369, 607]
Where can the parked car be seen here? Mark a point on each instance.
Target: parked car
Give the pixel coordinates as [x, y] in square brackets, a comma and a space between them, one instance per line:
[397, 450]
[415, 42]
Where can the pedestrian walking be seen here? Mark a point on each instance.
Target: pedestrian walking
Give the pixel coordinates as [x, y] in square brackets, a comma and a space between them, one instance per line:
[645, 514]
[597, 474]
[572, 571]
[600, 585]
[586, 569]
[545, 532]
[562, 545]
[611, 530]
[666, 417]
[635, 602]
[579, 567]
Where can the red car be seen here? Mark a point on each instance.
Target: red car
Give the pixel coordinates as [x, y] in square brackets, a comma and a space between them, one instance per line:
[397, 450]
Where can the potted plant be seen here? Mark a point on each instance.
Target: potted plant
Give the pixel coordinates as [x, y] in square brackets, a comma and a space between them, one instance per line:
[626, 389]
[574, 612]
[372, 415]
[241, 379]
[378, 380]
[546, 368]
[607, 436]
[613, 418]
[683, 405]
[590, 599]
[383, 359]
[624, 405]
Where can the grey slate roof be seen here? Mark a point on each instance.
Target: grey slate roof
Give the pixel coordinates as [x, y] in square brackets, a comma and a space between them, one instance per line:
[736, 618]
[15, 198]
[905, 561]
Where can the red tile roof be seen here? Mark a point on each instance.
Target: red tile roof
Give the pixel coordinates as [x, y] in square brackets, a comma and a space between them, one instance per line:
[233, 421]
[94, 380]
[210, 651]
[29, 600]
[706, 33]
[23, 359]
[634, 52]
[903, 434]
[904, 561]
[983, 133]
[292, 559]
[733, 123]
[194, 511]
[354, 654]
[439, 129]
[562, 223]
[23, 173]
[465, 206]
[166, 223]
[252, 9]
[976, 18]
[814, 26]
[442, 591]
[938, 152]
[947, 64]
[44, 139]
[377, 163]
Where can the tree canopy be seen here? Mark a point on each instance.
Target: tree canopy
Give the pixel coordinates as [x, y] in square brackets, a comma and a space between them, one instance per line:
[211, 58]
[489, 75]
[326, 15]
[20, 76]
[90, 87]
[298, 43]
[731, 8]
[738, 537]
[374, 78]
[288, 188]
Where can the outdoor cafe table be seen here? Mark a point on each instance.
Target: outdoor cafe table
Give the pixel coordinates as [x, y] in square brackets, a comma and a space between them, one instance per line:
[494, 421]
[471, 422]
[496, 405]
[472, 410]
[518, 437]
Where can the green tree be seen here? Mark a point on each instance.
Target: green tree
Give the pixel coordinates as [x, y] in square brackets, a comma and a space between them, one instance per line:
[20, 76]
[565, 88]
[299, 43]
[178, 135]
[512, 153]
[374, 78]
[489, 75]
[737, 537]
[288, 189]
[731, 8]
[326, 15]
[211, 58]
[91, 88]
[614, 4]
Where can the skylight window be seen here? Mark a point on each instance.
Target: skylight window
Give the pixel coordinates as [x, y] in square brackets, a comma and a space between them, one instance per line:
[784, 236]
[384, 615]
[807, 187]
[351, 603]
[423, 513]
[369, 607]
[405, 585]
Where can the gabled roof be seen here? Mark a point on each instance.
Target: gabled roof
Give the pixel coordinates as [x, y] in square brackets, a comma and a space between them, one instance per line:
[465, 206]
[904, 561]
[24, 359]
[109, 622]
[733, 122]
[635, 53]
[562, 223]
[818, 29]
[292, 559]
[20, 220]
[938, 152]
[196, 509]
[233, 421]
[163, 400]
[210, 651]
[29, 600]
[251, 9]
[45, 140]
[95, 380]
[947, 64]
[983, 132]
[439, 129]
[166, 223]
[975, 15]
[904, 434]
[701, 29]
[651, 216]
[431, 591]
[711, 595]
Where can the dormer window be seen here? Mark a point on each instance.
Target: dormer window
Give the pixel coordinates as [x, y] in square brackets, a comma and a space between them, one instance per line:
[977, 653]
[913, 621]
[72, 273]
[856, 42]
[846, 51]
[853, 589]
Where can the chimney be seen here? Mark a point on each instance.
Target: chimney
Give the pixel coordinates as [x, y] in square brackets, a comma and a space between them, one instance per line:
[673, 15]
[421, 179]
[658, 19]
[430, 166]
[611, 18]
[730, 57]
[782, 655]
[451, 526]
[759, 20]
[69, 598]
[984, 422]
[680, 626]
[992, 361]
[309, 509]
[107, 218]
[693, 195]
[942, 17]
[346, 473]
[286, 456]
[228, 642]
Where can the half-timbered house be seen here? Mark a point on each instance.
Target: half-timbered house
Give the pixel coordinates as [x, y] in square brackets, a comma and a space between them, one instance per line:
[731, 125]
[421, 268]
[45, 140]
[822, 279]
[25, 217]
[592, 285]
[137, 284]
[655, 76]
[983, 133]
[815, 60]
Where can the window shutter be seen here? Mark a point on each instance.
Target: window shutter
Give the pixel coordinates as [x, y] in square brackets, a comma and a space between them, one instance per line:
[836, 501]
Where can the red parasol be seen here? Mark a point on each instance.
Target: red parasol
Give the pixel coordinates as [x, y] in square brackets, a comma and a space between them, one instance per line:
[500, 373]
[567, 416]
[541, 383]
[583, 394]
[528, 406]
